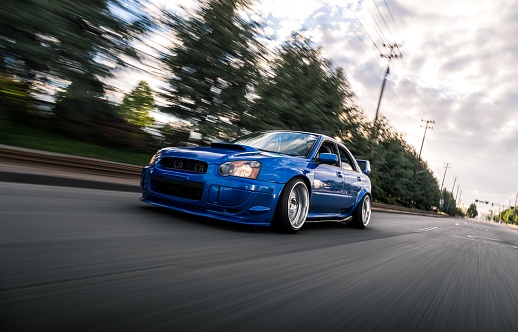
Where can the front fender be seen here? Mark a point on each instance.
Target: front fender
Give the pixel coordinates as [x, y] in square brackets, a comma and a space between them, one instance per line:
[282, 170]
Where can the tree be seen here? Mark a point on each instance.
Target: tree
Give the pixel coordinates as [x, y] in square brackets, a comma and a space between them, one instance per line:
[137, 105]
[65, 46]
[304, 91]
[14, 98]
[214, 66]
[175, 134]
[472, 211]
[449, 205]
[98, 122]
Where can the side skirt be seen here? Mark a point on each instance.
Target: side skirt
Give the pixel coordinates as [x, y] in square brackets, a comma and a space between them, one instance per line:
[347, 219]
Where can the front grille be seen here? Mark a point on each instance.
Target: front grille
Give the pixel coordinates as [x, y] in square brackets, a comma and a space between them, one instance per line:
[184, 164]
[183, 189]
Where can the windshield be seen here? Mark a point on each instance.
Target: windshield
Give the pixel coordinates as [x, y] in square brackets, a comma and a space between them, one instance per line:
[289, 143]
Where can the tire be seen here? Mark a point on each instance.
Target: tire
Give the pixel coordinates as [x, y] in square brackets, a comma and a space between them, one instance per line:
[362, 214]
[292, 208]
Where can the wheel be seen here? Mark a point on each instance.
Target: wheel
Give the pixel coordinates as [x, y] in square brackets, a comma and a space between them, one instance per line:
[362, 214]
[293, 206]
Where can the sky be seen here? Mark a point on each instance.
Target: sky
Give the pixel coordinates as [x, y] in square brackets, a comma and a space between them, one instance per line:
[458, 69]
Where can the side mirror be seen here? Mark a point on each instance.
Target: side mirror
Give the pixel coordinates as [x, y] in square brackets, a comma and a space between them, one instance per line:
[328, 158]
[365, 166]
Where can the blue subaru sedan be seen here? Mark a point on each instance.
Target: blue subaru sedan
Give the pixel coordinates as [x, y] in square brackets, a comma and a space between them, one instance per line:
[280, 179]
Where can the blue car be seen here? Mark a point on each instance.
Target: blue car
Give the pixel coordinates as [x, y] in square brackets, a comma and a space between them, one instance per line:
[280, 179]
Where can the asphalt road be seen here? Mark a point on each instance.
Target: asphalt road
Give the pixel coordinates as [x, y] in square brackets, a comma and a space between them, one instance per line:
[82, 259]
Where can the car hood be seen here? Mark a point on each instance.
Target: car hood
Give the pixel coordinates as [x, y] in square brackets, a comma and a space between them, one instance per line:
[218, 153]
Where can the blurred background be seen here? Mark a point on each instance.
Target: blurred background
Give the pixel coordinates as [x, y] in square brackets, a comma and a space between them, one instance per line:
[117, 80]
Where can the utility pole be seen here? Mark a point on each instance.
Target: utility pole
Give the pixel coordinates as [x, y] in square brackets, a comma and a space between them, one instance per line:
[428, 125]
[441, 201]
[451, 194]
[446, 166]
[515, 201]
[393, 53]
[457, 196]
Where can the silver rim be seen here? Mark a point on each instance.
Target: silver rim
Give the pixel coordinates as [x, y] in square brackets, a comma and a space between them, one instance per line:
[298, 205]
[366, 210]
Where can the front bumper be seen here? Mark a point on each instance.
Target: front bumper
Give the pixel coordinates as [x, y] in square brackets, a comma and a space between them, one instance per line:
[232, 199]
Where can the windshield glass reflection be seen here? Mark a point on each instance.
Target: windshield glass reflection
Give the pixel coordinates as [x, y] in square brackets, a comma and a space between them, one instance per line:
[288, 143]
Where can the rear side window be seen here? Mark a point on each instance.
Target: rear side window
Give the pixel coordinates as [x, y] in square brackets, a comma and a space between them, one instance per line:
[345, 160]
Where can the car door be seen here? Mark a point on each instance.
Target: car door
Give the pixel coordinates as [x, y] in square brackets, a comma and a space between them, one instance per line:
[352, 180]
[326, 194]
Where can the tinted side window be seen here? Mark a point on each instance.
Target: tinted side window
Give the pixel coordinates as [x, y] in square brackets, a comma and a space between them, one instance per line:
[346, 161]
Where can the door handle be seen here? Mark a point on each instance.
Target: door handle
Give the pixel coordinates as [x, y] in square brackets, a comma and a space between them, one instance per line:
[359, 179]
[339, 174]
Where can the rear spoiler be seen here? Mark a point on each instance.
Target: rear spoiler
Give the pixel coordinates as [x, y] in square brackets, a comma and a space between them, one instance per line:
[365, 166]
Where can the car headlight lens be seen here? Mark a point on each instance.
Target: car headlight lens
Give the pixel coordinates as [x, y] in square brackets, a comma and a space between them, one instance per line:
[244, 169]
[155, 157]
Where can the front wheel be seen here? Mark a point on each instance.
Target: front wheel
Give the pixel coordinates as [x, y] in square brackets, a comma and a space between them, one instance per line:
[362, 214]
[293, 206]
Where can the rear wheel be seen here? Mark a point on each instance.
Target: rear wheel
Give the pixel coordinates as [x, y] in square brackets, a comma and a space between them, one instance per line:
[362, 214]
[292, 208]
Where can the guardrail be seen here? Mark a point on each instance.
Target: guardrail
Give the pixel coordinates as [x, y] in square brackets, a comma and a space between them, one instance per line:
[30, 157]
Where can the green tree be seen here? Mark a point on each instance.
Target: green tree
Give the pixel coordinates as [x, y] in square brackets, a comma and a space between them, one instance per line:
[97, 121]
[66, 46]
[398, 176]
[137, 105]
[14, 98]
[175, 134]
[214, 64]
[449, 205]
[472, 211]
[304, 91]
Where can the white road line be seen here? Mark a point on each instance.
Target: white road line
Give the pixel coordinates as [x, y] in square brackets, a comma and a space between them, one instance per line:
[426, 229]
[465, 238]
[481, 237]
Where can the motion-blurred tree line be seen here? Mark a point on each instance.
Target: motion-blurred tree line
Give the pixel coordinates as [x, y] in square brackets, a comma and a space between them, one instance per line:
[219, 81]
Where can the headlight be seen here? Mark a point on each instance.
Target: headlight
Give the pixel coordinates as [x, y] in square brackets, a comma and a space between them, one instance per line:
[155, 157]
[243, 169]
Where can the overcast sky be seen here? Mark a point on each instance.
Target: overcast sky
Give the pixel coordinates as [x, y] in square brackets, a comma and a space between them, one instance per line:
[458, 69]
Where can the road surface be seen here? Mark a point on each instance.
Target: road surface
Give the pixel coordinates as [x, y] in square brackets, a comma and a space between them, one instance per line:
[83, 259]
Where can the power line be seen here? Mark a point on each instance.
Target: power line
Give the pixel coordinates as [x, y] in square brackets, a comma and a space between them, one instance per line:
[392, 17]
[363, 27]
[384, 38]
[352, 27]
[413, 99]
[383, 18]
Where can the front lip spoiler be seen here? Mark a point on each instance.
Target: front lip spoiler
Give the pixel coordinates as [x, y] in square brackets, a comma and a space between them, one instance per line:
[208, 214]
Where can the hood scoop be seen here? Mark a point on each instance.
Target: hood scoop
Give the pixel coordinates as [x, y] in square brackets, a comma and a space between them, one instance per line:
[230, 146]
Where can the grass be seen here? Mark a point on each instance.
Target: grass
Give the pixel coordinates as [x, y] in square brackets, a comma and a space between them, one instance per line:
[15, 134]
